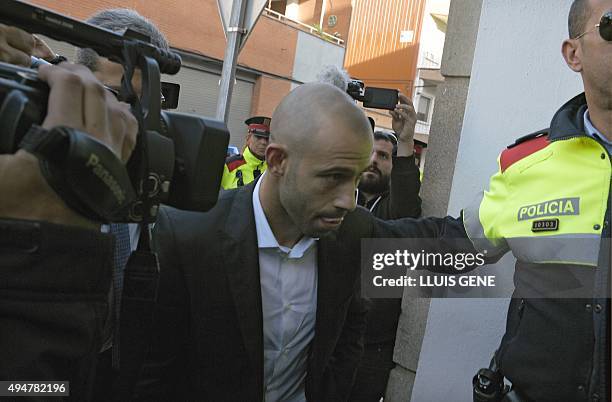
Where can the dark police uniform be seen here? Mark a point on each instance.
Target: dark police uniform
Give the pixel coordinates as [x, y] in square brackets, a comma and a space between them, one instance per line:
[401, 201]
[549, 205]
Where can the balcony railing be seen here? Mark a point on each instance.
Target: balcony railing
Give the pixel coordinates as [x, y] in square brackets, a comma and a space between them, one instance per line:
[303, 27]
[422, 127]
[428, 60]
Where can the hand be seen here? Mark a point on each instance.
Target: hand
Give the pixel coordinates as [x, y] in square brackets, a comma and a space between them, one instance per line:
[76, 99]
[16, 46]
[404, 122]
[42, 50]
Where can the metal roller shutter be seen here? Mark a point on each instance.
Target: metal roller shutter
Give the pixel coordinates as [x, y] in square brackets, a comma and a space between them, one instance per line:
[199, 92]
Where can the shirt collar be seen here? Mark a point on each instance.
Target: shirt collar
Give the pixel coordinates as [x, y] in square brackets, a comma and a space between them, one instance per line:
[592, 131]
[265, 236]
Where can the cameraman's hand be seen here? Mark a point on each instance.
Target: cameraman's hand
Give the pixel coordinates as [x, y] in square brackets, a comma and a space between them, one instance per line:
[76, 99]
[404, 122]
[16, 46]
[79, 100]
[42, 50]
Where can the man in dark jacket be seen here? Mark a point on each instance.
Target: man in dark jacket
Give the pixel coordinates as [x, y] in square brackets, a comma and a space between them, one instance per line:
[389, 188]
[259, 298]
[256, 300]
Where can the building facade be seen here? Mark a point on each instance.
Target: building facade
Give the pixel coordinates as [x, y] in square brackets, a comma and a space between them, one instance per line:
[280, 53]
[398, 44]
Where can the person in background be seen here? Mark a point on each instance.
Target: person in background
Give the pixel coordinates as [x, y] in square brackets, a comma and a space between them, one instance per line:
[389, 189]
[242, 169]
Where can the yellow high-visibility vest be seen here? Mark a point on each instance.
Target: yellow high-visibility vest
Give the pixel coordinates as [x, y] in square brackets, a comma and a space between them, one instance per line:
[240, 170]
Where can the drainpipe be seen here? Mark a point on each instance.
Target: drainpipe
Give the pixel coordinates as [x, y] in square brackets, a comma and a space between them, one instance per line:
[322, 14]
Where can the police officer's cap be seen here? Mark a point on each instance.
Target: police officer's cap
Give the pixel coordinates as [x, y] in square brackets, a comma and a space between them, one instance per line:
[259, 126]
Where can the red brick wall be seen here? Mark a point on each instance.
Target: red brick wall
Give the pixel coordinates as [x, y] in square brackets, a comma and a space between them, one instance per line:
[267, 94]
[270, 48]
[196, 26]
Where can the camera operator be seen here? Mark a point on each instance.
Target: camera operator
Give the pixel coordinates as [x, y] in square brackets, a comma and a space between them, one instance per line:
[56, 264]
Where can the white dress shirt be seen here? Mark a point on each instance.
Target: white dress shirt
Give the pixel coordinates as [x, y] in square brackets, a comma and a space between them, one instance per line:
[288, 278]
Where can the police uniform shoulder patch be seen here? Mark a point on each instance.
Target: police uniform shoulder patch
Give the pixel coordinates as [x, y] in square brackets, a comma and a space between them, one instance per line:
[234, 162]
[523, 147]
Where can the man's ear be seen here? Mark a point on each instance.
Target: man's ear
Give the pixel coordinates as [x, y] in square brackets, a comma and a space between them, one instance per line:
[276, 158]
[572, 53]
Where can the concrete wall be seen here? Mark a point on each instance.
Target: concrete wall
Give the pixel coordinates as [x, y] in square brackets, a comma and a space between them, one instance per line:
[311, 54]
[518, 80]
[437, 180]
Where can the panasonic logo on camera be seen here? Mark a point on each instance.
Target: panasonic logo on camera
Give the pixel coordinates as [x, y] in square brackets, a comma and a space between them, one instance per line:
[107, 178]
[562, 206]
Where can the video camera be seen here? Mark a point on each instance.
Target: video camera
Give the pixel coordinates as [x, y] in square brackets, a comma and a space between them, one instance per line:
[178, 158]
[372, 97]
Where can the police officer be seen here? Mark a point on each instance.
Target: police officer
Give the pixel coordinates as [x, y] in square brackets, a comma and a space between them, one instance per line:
[549, 204]
[242, 169]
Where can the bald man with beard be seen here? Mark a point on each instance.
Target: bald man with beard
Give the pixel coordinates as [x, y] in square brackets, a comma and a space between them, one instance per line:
[259, 298]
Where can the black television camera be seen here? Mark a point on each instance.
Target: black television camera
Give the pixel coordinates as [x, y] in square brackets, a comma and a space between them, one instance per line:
[372, 97]
[178, 158]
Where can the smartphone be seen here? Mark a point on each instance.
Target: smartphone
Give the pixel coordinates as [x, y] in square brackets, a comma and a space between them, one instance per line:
[380, 98]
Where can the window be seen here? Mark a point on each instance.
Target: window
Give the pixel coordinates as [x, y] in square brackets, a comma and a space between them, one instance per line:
[423, 109]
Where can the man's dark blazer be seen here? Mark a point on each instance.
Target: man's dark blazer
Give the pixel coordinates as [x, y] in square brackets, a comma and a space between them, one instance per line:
[208, 337]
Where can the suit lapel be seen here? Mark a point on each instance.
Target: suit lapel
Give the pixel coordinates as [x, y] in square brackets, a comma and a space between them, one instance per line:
[327, 295]
[336, 274]
[241, 260]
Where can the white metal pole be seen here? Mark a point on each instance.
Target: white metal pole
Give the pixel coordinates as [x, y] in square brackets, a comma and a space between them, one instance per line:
[324, 6]
[235, 33]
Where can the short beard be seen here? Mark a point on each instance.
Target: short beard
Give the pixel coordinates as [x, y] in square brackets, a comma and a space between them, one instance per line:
[378, 186]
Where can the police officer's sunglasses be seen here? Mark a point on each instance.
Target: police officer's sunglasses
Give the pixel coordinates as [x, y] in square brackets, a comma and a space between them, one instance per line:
[604, 26]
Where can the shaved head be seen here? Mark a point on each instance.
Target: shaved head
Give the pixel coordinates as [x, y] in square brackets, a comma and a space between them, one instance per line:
[311, 113]
[579, 14]
[320, 143]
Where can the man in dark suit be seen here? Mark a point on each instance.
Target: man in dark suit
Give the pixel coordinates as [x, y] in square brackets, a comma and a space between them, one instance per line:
[259, 297]
[256, 299]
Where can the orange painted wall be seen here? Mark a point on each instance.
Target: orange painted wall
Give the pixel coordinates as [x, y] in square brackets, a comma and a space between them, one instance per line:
[267, 94]
[374, 52]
